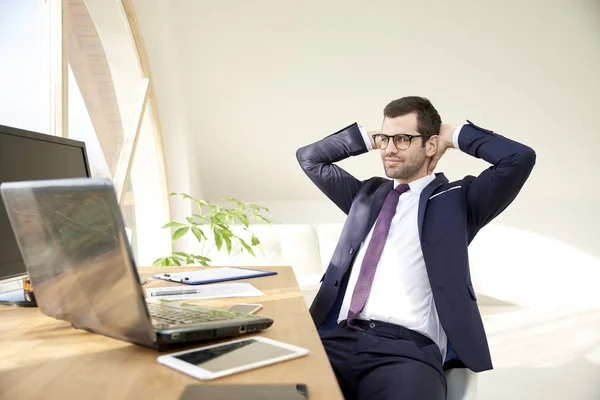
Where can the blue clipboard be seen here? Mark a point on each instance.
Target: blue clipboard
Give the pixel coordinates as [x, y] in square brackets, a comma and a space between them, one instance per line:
[215, 275]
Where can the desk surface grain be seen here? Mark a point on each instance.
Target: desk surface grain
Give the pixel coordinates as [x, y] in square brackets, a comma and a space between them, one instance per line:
[44, 358]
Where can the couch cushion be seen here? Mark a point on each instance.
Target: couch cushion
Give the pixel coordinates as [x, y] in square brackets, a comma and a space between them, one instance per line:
[280, 244]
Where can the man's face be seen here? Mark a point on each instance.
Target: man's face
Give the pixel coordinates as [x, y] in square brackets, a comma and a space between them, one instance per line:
[403, 164]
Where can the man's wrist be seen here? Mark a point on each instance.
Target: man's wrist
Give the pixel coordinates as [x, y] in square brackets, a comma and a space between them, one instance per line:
[455, 136]
[368, 140]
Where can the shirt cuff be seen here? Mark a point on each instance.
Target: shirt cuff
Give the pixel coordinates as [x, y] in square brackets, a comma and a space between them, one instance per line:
[455, 136]
[365, 138]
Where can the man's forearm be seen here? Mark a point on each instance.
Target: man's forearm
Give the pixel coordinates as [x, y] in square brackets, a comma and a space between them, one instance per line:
[492, 147]
[495, 188]
[317, 161]
[339, 146]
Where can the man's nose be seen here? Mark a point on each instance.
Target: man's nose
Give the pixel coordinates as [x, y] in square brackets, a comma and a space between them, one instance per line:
[390, 148]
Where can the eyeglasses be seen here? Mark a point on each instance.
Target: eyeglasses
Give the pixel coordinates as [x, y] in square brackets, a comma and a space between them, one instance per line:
[401, 141]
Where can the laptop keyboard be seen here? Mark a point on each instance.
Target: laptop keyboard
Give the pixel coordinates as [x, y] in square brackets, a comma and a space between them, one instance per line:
[177, 316]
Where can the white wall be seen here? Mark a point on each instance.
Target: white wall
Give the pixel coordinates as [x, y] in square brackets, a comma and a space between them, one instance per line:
[247, 83]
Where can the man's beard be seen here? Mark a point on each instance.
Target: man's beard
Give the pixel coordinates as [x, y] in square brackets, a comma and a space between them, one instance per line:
[407, 169]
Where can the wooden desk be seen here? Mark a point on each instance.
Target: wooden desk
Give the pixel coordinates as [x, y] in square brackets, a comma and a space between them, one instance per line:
[43, 358]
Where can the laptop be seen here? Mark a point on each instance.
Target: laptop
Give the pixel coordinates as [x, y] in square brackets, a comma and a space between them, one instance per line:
[73, 241]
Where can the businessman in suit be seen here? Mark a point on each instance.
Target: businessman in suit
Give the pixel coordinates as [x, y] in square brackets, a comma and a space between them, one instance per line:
[396, 305]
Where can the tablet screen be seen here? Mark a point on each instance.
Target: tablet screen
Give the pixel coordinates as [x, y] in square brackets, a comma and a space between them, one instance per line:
[233, 355]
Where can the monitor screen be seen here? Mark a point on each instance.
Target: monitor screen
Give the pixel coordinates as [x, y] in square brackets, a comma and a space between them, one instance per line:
[26, 156]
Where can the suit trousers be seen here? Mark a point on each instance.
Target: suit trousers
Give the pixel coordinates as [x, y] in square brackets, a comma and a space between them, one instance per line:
[385, 361]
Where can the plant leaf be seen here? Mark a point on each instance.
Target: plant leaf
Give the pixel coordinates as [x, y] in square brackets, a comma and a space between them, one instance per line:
[198, 233]
[158, 262]
[219, 217]
[255, 241]
[200, 217]
[200, 204]
[229, 217]
[172, 224]
[180, 232]
[174, 261]
[182, 254]
[227, 243]
[268, 221]
[184, 195]
[187, 196]
[225, 229]
[243, 219]
[248, 248]
[218, 238]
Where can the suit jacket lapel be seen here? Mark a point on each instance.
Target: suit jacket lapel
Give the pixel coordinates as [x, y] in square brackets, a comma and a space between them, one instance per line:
[378, 200]
[439, 180]
[382, 192]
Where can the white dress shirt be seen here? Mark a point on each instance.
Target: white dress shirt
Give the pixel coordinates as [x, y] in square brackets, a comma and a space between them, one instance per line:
[401, 293]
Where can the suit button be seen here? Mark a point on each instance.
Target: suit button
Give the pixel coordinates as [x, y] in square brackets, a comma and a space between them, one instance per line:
[351, 251]
[336, 283]
[372, 325]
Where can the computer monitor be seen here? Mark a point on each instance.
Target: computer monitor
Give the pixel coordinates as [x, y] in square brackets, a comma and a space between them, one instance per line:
[26, 156]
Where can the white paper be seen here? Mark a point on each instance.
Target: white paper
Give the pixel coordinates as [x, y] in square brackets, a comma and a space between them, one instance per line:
[204, 291]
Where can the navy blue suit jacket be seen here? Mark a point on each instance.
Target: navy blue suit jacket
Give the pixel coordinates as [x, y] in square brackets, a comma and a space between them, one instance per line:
[449, 217]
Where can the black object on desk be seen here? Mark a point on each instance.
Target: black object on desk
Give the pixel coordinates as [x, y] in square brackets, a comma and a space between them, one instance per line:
[31, 156]
[246, 392]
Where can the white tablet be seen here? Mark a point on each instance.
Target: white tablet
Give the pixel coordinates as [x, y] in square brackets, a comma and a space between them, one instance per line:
[228, 358]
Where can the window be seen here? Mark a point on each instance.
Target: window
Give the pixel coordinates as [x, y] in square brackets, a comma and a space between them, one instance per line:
[108, 103]
[24, 74]
[109, 109]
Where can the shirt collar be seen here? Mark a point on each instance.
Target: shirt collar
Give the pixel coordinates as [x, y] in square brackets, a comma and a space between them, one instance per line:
[417, 186]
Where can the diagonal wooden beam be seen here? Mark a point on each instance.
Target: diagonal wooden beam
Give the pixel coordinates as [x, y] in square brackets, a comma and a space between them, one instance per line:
[123, 173]
[131, 17]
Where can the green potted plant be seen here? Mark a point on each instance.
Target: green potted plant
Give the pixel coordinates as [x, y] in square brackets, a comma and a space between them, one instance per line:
[219, 221]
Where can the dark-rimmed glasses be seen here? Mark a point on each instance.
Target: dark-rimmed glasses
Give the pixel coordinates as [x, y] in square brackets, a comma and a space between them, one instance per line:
[401, 141]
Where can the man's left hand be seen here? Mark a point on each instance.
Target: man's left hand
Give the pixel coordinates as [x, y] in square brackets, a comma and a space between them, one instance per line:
[444, 143]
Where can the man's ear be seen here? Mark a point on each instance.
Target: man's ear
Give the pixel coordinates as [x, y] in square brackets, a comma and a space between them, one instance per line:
[432, 145]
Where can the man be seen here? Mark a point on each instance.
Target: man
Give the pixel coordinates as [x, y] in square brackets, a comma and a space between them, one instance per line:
[396, 305]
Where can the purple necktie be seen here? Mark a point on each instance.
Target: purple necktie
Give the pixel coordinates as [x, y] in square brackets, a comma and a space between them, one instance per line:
[373, 254]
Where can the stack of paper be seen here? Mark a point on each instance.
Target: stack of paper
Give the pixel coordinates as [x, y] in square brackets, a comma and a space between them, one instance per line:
[204, 291]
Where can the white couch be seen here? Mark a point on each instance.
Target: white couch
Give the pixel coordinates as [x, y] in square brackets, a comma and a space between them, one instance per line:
[520, 279]
[306, 248]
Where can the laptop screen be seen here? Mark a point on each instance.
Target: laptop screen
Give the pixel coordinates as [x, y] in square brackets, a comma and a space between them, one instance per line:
[73, 242]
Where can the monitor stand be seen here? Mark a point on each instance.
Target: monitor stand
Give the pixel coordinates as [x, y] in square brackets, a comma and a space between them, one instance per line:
[13, 293]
